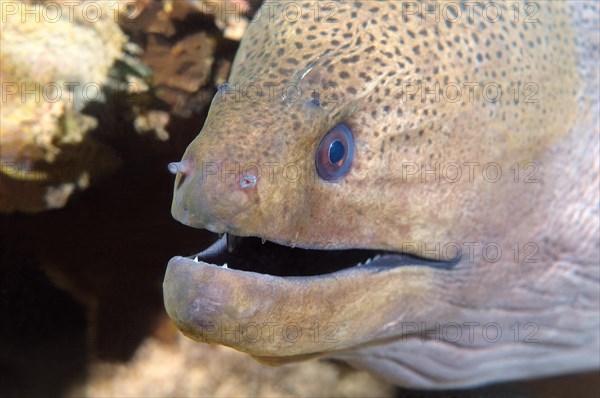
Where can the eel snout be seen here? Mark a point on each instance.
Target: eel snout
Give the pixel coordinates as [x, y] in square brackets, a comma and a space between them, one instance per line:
[209, 191]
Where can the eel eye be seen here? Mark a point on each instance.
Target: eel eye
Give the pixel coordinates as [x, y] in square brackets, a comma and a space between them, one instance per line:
[335, 153]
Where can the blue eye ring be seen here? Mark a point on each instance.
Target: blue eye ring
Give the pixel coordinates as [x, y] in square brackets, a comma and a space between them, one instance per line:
[335, 154]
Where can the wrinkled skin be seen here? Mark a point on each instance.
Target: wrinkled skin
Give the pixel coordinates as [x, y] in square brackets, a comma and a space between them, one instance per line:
[522, 301]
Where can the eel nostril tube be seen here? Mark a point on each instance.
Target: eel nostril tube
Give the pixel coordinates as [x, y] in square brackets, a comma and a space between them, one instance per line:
[183, 167]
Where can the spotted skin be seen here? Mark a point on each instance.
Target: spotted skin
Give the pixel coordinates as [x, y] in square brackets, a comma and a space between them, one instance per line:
[378, 73]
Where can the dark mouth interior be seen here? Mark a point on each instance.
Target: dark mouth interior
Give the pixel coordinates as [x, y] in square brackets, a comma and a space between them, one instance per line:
[256, 255]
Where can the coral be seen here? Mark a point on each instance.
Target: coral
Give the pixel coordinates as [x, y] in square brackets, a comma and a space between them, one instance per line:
[185, 368]
[147, 61]
[55, 60]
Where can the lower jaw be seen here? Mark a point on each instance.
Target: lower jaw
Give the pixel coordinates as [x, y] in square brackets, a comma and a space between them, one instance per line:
[280, 304]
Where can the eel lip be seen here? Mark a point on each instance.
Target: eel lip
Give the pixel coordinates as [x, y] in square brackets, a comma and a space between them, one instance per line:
[264, 315]
[217, 305]
[288, 316]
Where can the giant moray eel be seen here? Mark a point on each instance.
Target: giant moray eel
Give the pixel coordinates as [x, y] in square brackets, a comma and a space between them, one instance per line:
[427, 188]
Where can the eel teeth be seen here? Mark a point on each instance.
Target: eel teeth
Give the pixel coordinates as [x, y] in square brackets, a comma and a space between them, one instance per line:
[230, 242]
[225, 265]
[196, 259]
[368, 261]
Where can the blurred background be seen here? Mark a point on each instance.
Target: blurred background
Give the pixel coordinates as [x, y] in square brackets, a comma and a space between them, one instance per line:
[97, 98]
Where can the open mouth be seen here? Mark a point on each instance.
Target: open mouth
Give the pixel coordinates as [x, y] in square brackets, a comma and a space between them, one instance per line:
[265, 257]
[333, 299]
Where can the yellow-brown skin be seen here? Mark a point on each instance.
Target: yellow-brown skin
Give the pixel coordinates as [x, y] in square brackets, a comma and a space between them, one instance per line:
[367, 53]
